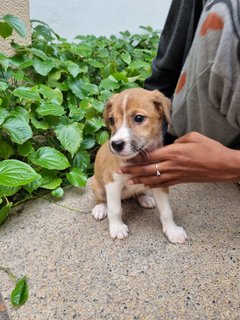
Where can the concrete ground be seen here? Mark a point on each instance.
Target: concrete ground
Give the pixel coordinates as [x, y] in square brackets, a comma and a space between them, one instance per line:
[75, 271]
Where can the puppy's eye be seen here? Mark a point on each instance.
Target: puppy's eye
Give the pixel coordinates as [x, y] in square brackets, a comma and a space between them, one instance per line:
[111, 121]
[139, 118]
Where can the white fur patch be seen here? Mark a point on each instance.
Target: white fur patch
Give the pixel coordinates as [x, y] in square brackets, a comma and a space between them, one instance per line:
[146, 201]
[99, 212]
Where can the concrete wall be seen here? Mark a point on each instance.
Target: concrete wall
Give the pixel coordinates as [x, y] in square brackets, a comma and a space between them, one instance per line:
[19, 8]
[100, 17]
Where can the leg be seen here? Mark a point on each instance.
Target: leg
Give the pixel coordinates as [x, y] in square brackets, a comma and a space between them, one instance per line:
[117, 228]
[174, 233]
[145, 201]
[99, 212]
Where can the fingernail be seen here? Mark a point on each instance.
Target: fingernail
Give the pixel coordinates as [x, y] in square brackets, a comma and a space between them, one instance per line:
[130, 182]
[119, 171]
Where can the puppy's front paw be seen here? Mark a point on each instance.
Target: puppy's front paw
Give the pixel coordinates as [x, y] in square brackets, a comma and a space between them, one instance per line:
[146, 201]
[175, 234]
[100, 211]
[118, 230]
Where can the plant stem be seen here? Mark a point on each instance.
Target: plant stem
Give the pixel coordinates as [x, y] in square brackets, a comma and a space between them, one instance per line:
[61, 205]
[9, 273]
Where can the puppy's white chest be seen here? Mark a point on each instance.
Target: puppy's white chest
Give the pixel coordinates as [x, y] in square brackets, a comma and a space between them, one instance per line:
[128, 190]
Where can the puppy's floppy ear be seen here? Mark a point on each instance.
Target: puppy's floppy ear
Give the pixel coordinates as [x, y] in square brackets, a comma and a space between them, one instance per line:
[108, 108]
[163, 104]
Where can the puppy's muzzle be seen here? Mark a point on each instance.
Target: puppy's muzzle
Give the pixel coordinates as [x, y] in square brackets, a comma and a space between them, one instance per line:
[118, 145]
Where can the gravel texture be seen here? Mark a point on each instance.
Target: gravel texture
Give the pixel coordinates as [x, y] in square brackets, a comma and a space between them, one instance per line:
[75, 270]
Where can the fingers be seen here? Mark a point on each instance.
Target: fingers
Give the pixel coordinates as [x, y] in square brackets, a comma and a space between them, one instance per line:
[191, 137]
[157, 155]
[165, 180]
[148, 180]
[152, 169]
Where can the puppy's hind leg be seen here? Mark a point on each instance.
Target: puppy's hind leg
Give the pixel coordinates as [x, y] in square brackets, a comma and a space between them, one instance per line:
[99, 212]
[145, 201]
[174, 233]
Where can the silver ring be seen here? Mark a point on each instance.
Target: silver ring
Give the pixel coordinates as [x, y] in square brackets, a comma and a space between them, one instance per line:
[158, 173]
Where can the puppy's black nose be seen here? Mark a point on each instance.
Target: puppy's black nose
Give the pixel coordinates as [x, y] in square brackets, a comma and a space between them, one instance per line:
[118, 145]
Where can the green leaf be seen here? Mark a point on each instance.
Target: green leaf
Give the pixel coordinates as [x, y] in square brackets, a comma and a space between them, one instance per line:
[81, 160]
[55, 74]
[95, 63]
[53, 109]
[91, 89]
[15, 173]
[88, 143]
[76, 113]
[52, 95]
[18, 75]
[105, 95]
[49, 158]
[120, 76]
[3, 85]
[138, 64]
[83, 50]
[16, 23]
[147, 28]
[75, 86]
[72, 68]
[39, 124]
[4, 212]
[44, 31]
[102, 137]
[70, 136]
[20, 293]
[109, 84]
[126, 58]
[20, 112]
[5, 30]
[39, 53]
[18, 129]
[31, 186]
[4, 61]
[25, 148]
[58, 193]
[93, 125]
[98, 105]
[27, 94]
[8, 191]
[3, 114]
[6, 150]
[49, 180]
[26, 64]
[77, 178]
[43, 67]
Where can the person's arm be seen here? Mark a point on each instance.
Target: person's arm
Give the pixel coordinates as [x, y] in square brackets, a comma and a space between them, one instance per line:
[174, 45]
[191, 158]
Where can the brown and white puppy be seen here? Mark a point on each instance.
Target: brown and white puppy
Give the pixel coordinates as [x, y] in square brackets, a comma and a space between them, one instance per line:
[135, 117]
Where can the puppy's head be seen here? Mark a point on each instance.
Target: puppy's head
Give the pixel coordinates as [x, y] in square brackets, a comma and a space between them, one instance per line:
[135, 117]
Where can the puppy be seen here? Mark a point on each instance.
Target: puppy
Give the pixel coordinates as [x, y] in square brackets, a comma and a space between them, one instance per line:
[135, 117]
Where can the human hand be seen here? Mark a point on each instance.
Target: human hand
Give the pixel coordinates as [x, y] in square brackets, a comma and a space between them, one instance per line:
[191, 158]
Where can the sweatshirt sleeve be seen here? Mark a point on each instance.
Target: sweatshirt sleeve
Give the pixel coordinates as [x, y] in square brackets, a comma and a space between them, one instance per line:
[174, 45]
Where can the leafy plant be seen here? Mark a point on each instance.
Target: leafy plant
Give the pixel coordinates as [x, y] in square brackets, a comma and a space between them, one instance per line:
[19, 294]
[52, 95]
[8, 23]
